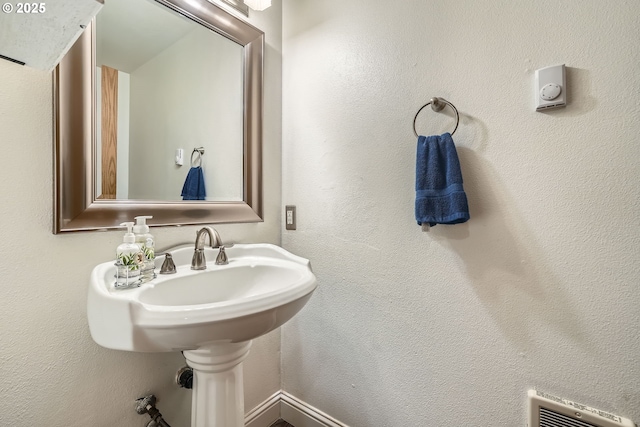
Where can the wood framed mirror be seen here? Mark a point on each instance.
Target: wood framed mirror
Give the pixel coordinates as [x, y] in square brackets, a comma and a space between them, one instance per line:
[79, 204]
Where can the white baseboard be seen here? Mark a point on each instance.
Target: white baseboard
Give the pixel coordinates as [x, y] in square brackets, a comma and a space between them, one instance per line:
[265, 413]
[292, 410]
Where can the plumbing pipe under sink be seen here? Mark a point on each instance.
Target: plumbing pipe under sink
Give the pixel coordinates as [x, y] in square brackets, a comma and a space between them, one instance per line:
[147, 405]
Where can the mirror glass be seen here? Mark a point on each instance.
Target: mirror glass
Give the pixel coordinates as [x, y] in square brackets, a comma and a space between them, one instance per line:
[151, 92]
[168, 97]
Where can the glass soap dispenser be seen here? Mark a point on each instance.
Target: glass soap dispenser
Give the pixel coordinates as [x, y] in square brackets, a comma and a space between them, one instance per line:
[129, 260]
[147, 245]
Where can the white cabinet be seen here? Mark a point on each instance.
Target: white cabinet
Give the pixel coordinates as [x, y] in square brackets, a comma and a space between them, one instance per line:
[38, 34]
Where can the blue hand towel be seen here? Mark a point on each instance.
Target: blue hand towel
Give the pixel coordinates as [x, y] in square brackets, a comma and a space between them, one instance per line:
[193, 188]
[440, 198]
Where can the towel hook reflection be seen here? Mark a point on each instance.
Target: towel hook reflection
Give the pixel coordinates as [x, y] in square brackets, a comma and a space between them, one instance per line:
[437, 104]
[200, 151]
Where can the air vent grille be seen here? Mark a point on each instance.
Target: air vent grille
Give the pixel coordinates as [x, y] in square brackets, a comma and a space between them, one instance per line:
[547, 410]
[549, 418]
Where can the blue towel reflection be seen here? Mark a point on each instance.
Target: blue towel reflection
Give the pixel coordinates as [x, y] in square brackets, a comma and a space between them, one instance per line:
[193, 188]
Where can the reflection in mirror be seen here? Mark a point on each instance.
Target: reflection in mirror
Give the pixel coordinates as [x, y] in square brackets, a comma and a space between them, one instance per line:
[108, 170]
[163, 84]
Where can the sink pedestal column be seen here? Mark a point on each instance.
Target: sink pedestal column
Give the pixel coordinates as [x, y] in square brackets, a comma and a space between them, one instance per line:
[218, 389]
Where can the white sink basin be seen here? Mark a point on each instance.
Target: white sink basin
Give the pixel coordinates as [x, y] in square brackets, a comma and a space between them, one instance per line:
[261, 288]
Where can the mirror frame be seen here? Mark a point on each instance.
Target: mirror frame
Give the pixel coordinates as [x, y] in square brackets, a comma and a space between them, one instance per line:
[75, 205]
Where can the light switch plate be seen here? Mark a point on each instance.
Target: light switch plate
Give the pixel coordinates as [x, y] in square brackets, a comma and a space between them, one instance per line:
[290, 217]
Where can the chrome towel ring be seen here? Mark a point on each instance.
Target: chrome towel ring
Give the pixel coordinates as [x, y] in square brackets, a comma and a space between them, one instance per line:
[437, 104]
[200, 152]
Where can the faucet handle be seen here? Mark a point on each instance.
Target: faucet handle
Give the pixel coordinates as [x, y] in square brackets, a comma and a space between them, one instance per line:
[222, 258]
[168, 266]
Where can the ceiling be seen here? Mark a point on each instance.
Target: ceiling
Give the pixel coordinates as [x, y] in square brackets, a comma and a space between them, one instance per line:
[131, 32]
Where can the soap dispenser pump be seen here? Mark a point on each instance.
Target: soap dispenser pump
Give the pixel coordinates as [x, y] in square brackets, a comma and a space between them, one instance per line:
[129, 260]
[147, 245]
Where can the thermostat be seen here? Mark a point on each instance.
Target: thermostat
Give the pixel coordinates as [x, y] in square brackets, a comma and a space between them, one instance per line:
[550, 88]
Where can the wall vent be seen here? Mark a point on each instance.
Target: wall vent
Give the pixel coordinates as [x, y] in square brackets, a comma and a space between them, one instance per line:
[546, 410]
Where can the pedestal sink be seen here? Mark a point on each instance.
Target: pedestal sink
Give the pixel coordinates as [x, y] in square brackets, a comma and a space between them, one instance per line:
[211, 315]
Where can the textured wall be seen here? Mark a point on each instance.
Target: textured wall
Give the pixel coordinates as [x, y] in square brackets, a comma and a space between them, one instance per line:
[51, 372]
[540, 288]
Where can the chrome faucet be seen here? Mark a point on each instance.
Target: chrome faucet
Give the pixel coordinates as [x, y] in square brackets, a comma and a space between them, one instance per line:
[199, 262]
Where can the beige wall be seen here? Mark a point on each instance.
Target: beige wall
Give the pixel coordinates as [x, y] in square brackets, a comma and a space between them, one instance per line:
[541, 287]
[51, 372]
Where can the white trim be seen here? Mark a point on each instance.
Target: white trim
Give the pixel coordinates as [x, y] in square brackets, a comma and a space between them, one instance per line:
[291, 409]
[265, 413]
